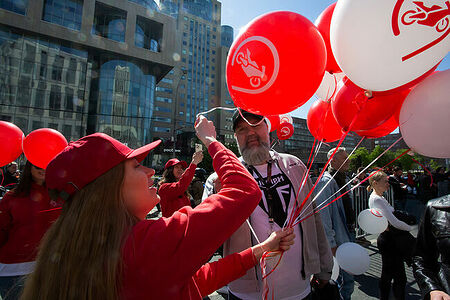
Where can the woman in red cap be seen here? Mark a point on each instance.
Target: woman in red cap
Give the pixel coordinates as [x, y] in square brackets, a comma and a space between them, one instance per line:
[173, 187]
[25, 216]
[101, 247]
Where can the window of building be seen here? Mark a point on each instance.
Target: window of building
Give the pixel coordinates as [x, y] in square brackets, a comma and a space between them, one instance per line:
[163, 119]
[18, 7]
[148, 34]
[58, 68]
[163, 109]
[66, 13]
[163, 99]
[161, 129]
[163, 89]
[167, 80]
[109, 22]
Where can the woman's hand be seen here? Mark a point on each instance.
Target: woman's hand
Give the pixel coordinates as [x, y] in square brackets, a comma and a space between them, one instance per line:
[278, 240]
[197, 157]
[439, 295]
[205, 130]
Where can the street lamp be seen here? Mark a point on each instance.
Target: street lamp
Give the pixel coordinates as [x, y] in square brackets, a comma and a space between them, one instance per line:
[174, 132]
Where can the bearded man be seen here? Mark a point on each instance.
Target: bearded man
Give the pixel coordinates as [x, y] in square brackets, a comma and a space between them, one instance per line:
[279, 177]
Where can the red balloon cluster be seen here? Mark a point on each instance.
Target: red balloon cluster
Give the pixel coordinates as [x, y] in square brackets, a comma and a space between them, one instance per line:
[282, 124]
[357, 109]
[11, 138]
[42, 145]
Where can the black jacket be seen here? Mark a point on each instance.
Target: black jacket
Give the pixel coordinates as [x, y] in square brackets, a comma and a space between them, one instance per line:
[433, 240]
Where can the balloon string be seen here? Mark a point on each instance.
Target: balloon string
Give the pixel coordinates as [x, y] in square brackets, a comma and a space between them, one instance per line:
[303, 181]
[362, 171]
[380, 169]
[428, 171]
[332, 177]
[215, 108]
[344, 134]
[3, 177]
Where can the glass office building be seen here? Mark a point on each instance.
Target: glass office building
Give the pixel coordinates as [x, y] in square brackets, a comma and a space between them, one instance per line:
[73, 65]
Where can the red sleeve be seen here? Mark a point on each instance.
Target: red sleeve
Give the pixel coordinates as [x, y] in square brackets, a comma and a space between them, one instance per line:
[176, 247]
[175, 189]
[215, 275]
[5, 218]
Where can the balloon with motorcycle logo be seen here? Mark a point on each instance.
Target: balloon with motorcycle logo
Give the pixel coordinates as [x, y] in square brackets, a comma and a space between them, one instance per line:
[372, 221]
[395, 43]
[424, 121]
[11, 137]
[353, 258]
[361, 109]
[41, 145]
[285, 130]
[269, 59]
[321, 122]
[323, 24]
[329, 85]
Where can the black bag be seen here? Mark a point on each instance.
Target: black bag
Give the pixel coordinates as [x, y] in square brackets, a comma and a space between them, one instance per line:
[329, 292]
[404, 241]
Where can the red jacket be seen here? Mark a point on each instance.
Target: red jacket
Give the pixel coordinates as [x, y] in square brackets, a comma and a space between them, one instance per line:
[164, 258]
[173, 196]
[23, 223]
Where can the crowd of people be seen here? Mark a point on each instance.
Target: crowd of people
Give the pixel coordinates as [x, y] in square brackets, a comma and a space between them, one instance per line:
[67, 233]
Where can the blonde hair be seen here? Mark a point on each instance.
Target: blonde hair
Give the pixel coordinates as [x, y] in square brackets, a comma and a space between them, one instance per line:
[80, 255]
[376, 177]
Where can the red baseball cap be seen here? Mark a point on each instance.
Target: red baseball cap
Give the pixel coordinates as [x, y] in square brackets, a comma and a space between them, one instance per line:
[175, 161]
[83, 161]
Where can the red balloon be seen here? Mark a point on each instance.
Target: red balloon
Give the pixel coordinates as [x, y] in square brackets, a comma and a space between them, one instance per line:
[274, 122]
[352, 104]
[321, 122]
[11, 138]
[323, 24]
[380, 131]
[42, 145]
[285, 131]
[387, 127]
[281, 57]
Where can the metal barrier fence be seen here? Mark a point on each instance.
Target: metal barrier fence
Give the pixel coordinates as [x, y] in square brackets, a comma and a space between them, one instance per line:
[360, 197]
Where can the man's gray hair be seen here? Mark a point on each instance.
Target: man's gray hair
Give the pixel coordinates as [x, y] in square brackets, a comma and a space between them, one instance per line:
[339, 150]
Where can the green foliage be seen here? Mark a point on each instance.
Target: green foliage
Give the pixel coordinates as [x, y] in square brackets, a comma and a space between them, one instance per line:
[359, 158]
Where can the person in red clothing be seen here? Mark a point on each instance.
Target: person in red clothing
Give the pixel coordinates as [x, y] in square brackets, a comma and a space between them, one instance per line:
[101, 247]
[173, 187]
[25, 215]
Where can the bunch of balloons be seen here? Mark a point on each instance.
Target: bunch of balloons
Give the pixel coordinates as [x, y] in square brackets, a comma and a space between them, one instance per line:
[370, 78]
[39, 146]
[282, 124]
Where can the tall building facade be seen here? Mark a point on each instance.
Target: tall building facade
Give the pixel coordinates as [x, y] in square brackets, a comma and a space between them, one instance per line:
[84, 66]
[192, 86]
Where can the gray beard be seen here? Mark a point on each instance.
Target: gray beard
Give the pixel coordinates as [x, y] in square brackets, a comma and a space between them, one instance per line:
[256, 155]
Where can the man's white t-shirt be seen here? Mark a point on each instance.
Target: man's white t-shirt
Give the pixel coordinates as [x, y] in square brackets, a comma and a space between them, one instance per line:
[286, 281]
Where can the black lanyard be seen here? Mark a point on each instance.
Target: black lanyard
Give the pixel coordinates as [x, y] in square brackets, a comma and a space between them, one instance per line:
[267, 186]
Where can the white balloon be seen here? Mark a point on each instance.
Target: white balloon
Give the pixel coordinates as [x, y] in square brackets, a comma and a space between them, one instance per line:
[329, 84]
[384, 44]
[353, 258]
[424, 121]
[372, 221]
[335, 271]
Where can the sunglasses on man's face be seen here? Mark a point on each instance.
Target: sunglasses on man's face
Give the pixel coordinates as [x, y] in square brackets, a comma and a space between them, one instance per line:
[37, 168]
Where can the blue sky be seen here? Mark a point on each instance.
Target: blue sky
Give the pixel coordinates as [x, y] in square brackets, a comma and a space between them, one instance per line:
[237, 13]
